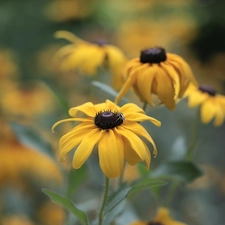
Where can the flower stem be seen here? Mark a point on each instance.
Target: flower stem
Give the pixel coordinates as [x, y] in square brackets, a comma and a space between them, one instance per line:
[144, 106]
[105, 196]
[194, 134]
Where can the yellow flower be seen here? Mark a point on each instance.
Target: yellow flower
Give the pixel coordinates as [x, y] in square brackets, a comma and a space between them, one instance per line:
[157, 72]
[88, 57]
[212, 105]
[162, 218]
[116, 132]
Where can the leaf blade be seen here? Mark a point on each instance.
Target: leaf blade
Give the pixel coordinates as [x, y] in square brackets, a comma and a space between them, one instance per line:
[68, 204]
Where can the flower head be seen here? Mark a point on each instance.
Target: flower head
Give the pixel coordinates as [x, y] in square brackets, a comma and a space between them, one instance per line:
[114, 130]
[212, 104]
[87, 57]
[157, 72]
[163, 217]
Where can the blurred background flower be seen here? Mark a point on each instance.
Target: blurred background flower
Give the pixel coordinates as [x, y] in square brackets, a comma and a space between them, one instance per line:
[34, 93]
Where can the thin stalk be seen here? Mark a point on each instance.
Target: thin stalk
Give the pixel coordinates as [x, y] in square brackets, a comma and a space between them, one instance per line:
[194, 134]
[171, 192]
[104, 200]
[144, 106]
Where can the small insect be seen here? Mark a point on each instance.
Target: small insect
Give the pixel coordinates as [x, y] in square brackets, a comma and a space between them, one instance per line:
[120, 117]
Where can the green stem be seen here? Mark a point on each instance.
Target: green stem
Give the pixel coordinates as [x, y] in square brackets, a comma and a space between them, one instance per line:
[105, 196]
[172, 189]
[193, 138]
[144, 106]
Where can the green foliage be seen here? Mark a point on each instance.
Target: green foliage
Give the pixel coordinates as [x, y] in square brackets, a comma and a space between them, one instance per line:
[122, 193]
[108, 90]
[75, 178]
[183, 171]
[30, 137]
[68, 204]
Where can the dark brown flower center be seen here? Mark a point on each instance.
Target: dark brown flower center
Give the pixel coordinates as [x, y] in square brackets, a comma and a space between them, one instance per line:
[100, 42]
[108, 119]
[154, 223]
[207, 89]
[153, 55]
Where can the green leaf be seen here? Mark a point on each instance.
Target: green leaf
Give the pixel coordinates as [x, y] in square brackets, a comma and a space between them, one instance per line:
[183, 171]
[68, 204]
[123, 192]
[76, 177]
[31, 138]
[116, 211]
[107, 89]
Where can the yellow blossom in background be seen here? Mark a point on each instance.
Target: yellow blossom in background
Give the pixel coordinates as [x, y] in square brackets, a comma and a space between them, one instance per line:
[115, 130]
[16, 220]
[212, 104]
[26, 99]
[66, 10]
[169, 31]
[17, 160]
[50, 213]
[163, 217]
[131, 173]
[165, 75]
[8, 68]
[88, 57]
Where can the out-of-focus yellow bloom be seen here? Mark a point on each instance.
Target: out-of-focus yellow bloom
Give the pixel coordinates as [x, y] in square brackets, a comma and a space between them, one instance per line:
[8, 68]
[170, 30]
[50, 213]
[26, 99]
[131, 173]
[212, 105]
[87, 57]
[115, 130]
[16, 220]
[156, 72]
[66, 10]
[17, 160]
[163, 217]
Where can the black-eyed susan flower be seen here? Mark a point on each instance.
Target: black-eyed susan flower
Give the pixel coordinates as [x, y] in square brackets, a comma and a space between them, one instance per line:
[88, 57]
[116, 132]
[156, 72]
[212, 104]
[163, 217]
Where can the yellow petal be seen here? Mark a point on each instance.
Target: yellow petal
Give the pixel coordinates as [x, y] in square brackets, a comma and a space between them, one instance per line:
[75, 59]
[183, 67]
[111, 154]
[73, 138]
[116, 61]
[127, 85]
[94, 58]
[86, 146]
[138, 117]
[131, 108]
[207, 111]
[62, 52]
[135, 142]
[140, 131]
[70, 119]
[68, 36]
[172, 73]
[219, 114]
[148, 158]
[111, 106]
[87, 108]
[144, 82]
[197, 98]
[165, 90]
[129, 154]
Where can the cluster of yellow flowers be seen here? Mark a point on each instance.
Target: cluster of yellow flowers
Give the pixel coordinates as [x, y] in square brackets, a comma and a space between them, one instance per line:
[156, 77]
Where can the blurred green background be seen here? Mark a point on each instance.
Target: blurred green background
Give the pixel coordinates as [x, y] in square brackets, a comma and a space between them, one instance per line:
[34, 93]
